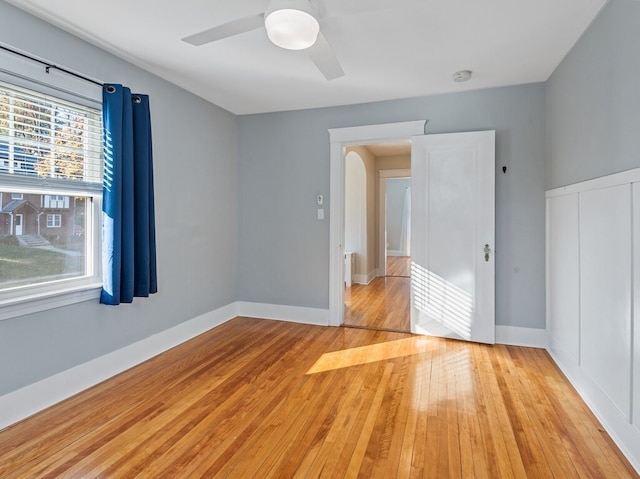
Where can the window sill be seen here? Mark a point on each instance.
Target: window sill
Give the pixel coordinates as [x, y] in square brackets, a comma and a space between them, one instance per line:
[34, 303]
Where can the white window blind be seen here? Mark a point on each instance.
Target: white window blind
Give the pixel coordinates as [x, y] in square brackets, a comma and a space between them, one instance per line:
[48, 142]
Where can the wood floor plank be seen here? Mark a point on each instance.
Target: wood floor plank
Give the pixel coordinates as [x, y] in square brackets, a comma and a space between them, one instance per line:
[504, 444]
[540, 418]
[364, 435]
[451, 425]
[416, 443]
[258, 398]
[406, 440]
[463, 396]
[344, 446]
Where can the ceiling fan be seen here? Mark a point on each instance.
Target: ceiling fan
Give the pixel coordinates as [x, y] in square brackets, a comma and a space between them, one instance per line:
[294, 25]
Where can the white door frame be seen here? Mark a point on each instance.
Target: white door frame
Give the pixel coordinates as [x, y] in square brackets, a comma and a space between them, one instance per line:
[382, 214]
[340, 139]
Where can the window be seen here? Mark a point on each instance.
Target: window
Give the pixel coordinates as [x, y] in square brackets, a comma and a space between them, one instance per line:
[54, 221]
[50, 158]
[55, 201]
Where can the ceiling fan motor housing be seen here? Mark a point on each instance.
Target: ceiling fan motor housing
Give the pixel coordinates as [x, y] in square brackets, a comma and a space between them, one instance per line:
[292, 24]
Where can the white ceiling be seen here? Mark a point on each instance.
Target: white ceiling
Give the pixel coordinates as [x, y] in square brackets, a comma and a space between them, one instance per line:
[401, 49]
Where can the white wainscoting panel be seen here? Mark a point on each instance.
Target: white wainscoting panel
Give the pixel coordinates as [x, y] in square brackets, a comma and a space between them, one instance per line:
[605, 282]
[606, 370]
[563, 280]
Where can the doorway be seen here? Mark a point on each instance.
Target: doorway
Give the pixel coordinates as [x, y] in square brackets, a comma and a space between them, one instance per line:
[378, 236]
[340, 140]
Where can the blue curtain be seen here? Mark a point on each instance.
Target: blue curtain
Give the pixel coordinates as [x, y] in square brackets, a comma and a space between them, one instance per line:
[128, 219]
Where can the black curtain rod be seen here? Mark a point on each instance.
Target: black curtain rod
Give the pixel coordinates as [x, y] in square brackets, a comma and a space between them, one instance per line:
[48, 66]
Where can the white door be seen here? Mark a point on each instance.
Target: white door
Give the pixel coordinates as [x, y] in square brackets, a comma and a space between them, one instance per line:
[18, 224]
[452, 235]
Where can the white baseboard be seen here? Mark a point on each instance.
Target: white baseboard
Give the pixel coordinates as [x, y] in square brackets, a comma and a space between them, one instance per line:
[516, 336]
[623, 433]
[364, 278]
[360, 279]
[293, 314]
[24, 402]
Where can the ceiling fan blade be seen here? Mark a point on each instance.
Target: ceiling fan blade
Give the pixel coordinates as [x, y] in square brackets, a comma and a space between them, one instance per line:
[322, 55]
[225, 30]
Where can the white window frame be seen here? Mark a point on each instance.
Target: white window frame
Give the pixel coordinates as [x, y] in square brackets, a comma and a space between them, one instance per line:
[38, 297]
[17, 196]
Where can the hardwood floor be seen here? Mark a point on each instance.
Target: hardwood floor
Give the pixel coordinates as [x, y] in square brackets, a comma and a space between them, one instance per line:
[381, 304]
[399, 266]
[258, 399]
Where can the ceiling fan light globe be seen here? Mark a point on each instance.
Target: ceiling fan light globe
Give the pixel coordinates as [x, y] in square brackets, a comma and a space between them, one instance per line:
[291, 28]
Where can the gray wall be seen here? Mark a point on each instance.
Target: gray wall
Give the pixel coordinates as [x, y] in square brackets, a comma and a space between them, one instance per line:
[593, 100]
[196, 208]
[284, 163]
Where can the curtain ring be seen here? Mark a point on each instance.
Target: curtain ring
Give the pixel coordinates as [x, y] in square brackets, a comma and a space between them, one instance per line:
[137, 99]
[111, 89]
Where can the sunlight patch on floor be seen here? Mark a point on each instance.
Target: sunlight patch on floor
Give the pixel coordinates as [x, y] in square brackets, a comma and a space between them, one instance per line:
[369, 354]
